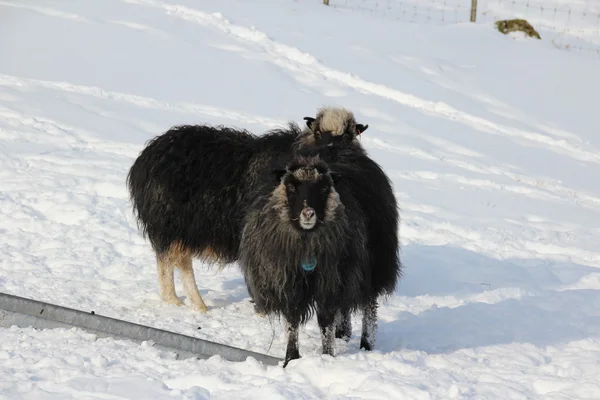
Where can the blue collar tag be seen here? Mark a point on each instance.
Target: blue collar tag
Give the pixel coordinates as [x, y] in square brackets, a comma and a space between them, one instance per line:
[309, 265]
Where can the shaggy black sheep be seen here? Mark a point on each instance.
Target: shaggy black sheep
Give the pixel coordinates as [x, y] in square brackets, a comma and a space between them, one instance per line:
[304, 250]
[365, 181]
[189, 189]
[373, 190]
[191, 185]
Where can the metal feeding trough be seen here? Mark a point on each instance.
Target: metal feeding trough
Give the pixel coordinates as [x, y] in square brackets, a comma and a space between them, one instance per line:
[24, 312]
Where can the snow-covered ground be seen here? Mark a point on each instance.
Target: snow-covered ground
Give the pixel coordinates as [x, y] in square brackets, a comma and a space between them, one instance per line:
[492, 144]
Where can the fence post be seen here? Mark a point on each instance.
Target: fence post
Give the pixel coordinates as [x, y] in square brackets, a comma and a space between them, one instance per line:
[473, 10]
[326, 2]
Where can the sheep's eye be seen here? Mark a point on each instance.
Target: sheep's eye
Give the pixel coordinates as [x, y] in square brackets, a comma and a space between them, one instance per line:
[325, 190]
[291, 188]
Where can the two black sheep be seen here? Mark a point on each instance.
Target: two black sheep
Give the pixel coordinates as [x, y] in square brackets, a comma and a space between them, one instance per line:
[190, 188]
[362, 181]
[303, 250]
[368, 184]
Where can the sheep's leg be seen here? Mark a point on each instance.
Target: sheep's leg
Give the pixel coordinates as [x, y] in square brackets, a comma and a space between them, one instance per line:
[166, 284]
[292, 352]
[326, 320]
[257, 309]
[369, 325]
[189, 283]
[343, 328]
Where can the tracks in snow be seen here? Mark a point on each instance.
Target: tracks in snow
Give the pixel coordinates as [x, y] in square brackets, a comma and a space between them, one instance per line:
[302, 63]
[139, 101]
[533, 187]
[545, 188]
[298, 62]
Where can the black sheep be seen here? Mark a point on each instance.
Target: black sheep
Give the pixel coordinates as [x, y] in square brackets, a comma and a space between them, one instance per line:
[304, 250]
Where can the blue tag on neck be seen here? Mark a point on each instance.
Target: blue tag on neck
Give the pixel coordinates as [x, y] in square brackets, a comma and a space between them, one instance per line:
[309, 265]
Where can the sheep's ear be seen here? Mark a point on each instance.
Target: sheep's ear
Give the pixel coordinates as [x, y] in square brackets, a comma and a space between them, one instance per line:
[360, 128]
[310, 122]
[278, 174]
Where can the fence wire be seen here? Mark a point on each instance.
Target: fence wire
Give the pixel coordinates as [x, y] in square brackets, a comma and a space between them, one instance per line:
[568, 24]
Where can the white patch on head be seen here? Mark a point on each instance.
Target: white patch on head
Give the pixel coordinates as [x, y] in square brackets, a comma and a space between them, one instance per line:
[335, 120]
[306, 174]
[308, 169]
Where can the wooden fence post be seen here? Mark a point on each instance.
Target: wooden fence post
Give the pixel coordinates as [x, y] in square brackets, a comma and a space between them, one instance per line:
[473, 10]
[326, 2]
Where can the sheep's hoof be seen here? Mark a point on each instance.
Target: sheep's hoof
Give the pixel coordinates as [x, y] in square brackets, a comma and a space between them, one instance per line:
[200, 308]
[365, 345]
[343, 334]
[345, 338]
[291, 355]
[174, 301]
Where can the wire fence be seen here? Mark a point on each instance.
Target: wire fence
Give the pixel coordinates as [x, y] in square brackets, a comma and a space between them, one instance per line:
[568, 24]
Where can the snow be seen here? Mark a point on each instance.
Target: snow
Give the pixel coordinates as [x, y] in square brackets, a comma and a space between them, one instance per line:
[492, 145]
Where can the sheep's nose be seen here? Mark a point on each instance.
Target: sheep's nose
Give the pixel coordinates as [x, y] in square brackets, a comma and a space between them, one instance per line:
[308, 212]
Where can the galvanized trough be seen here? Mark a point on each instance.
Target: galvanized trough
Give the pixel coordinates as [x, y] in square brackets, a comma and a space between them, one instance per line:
[24, 312]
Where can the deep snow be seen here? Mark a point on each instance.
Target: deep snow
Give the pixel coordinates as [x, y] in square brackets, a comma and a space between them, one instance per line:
[492, 144]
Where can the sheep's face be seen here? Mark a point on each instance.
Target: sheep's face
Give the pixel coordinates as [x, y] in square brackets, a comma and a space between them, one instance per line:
[334, 127]
[310, 196]
[329, 138]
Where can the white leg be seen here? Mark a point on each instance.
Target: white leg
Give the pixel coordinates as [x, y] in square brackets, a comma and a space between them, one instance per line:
[166, 283]
[189, 284]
